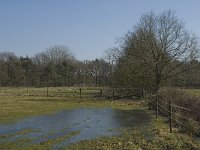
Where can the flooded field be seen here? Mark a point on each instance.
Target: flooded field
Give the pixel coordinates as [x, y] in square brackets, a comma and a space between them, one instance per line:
[73, 125]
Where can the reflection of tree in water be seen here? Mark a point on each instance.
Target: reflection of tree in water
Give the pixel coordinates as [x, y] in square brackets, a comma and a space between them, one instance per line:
[130, 118]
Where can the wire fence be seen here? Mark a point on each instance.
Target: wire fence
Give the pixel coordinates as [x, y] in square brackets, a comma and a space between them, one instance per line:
[51, 91]
[108, 92]
[178, 116]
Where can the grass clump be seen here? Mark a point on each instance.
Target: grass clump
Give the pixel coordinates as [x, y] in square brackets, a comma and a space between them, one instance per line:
[25, 144]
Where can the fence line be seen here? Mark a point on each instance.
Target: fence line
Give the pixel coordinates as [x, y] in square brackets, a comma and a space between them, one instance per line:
[169, 112]
[163, 111]
[180, 107]
[189, 119]
[117, 92]
[78, 92]
[191, 110]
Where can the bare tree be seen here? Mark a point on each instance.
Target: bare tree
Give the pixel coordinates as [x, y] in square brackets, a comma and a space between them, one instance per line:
[56, 62]
[59, 54]
[157, 46]
[111, 55]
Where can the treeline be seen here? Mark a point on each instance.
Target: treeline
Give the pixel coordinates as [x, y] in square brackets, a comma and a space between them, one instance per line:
[57, 67]
[157, 51]
[54, 67]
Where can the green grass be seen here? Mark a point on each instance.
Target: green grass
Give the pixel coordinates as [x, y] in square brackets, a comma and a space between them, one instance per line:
[160, 139]
[15, 106]
[22, 143]
[194, 92]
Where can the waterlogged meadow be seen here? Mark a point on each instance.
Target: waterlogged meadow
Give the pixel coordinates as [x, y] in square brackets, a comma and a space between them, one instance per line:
[31, 119]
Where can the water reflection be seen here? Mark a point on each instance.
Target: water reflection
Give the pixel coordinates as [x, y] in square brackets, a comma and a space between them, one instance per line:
[92, 123]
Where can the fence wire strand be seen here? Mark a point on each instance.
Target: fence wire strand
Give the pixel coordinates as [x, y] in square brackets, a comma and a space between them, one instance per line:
[163, 101]
[163, 112]
[166, 111]
[180, 107]
[179, 122]
[164, 108]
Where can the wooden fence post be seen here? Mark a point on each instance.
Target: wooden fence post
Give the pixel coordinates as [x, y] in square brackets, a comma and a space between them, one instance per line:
[101, 91]
[113, 93]
[47, 91]
[5, 90]
[170, 116]
[145, 95]
[156, 107]
[26, 90]
[80, 92]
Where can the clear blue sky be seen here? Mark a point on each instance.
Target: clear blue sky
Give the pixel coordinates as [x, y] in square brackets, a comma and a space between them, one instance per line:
[87, 27]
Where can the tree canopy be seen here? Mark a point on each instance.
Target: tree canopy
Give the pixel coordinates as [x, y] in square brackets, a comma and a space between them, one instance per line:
[154, 50]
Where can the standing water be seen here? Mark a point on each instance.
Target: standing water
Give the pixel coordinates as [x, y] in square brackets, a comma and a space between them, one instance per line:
[89, 123]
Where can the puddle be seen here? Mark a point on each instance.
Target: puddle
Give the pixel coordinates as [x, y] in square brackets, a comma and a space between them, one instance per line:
[89, 122]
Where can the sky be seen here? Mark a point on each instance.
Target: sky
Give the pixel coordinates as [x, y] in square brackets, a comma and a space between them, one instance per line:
[86, 27]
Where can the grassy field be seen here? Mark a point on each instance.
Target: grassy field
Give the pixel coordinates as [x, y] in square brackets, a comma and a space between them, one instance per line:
[18, 103]
[15, 105]
[195, 92]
